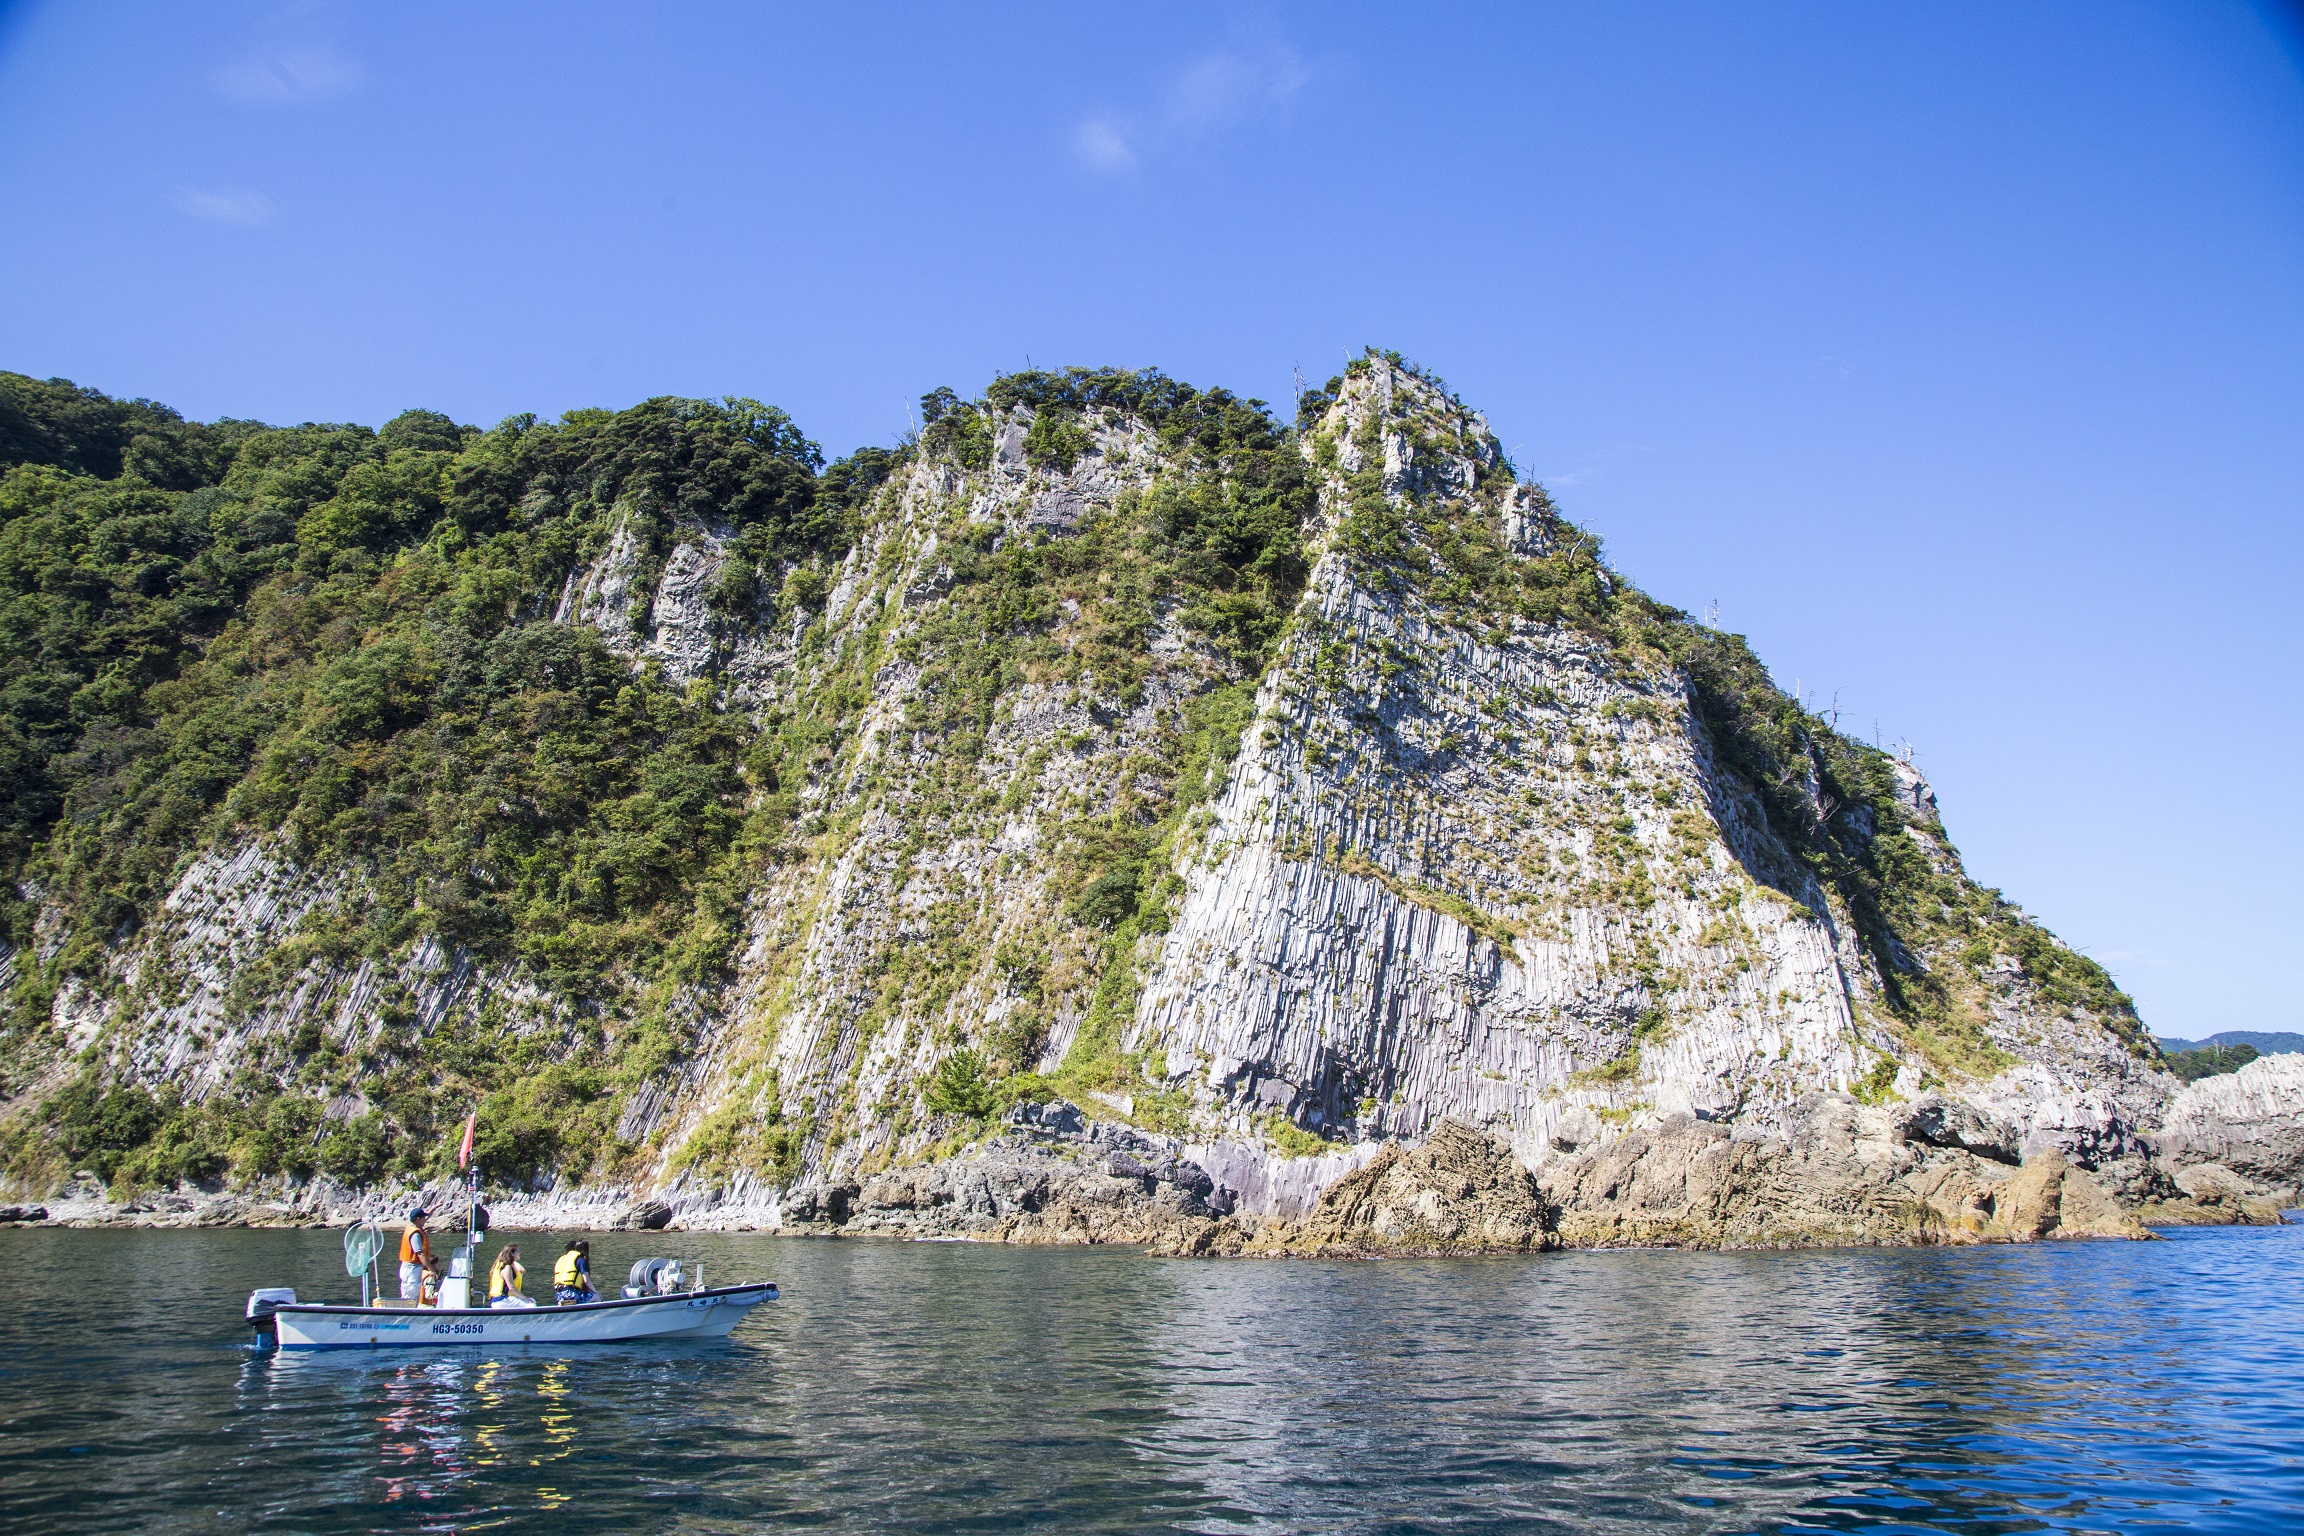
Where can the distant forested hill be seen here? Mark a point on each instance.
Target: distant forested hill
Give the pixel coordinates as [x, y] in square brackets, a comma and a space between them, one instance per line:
[2266, 1042]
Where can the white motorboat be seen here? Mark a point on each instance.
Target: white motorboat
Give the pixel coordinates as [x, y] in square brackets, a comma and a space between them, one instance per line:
[706, 1313]
[658, 1303]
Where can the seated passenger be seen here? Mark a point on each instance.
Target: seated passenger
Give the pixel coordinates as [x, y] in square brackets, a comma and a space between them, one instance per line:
[572, 1274]
[506, 1278]
[429, 1295]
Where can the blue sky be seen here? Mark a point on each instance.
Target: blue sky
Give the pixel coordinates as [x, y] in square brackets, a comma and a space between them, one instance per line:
[1956, 351]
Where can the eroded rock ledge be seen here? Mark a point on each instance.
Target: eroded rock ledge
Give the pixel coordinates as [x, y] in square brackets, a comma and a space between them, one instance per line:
[1049, 1177]
[1461, 1192]
[1850, 1174]
[1937, 1171]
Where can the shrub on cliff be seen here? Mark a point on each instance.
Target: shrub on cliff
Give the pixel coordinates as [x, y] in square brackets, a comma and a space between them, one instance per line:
[961, 1086]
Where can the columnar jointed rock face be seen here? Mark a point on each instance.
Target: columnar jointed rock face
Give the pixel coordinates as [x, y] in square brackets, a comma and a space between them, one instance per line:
[2244, 1120]
[1498, 868]
[1289, 799]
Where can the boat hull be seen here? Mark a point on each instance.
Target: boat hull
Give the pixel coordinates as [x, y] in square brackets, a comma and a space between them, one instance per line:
[681, 1315]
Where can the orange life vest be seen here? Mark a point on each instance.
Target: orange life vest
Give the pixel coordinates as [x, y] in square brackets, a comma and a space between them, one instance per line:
[412, 1245]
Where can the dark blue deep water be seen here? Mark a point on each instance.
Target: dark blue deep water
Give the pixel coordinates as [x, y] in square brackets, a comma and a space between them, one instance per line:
[951, 1387]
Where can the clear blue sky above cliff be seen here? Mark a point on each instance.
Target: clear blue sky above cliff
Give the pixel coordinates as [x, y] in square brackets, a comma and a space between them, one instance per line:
[1957, 350]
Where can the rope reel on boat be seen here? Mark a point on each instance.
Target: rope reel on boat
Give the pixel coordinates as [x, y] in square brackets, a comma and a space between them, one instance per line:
[653, 1277]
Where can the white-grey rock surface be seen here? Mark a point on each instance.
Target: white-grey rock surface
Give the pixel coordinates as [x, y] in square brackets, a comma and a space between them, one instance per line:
[2247, 1121]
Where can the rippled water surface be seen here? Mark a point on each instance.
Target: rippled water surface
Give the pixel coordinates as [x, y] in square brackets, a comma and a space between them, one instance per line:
[953, 1387]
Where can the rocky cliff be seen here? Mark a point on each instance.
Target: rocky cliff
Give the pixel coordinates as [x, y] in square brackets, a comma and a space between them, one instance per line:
[1261, 800]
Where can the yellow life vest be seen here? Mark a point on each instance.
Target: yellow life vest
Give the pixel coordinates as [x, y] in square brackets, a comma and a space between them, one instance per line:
[564, 1272]
[518, 1273]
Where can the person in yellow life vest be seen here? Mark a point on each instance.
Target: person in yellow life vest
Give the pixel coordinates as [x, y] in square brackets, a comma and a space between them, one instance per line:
[415, 1248]
[506, 1279]
[430, 1297]
[572, 1274]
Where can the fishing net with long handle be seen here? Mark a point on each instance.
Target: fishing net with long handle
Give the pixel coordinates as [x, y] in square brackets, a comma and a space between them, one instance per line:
[361, 1245]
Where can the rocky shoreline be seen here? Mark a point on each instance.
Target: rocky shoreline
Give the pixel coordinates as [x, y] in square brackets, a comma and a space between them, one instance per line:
[1933, 1172]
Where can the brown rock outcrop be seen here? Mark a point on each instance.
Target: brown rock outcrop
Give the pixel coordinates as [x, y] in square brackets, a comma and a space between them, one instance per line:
[1461, 1192]
[2048, 1197]
[2210, 1195]
[1031, 1185]
[1848, 1176]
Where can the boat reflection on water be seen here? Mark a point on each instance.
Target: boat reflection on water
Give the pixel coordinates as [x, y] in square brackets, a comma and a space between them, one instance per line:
[420, 1446]
[460, 1435]
[559, 1423]
[502, 1417]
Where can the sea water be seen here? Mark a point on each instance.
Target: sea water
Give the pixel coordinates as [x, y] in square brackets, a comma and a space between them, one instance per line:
[961, 1387]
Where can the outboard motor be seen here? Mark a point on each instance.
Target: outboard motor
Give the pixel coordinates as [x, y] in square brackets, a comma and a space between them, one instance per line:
[265, 1301]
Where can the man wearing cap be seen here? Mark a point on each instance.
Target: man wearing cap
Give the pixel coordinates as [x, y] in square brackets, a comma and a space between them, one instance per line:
[415, 1247]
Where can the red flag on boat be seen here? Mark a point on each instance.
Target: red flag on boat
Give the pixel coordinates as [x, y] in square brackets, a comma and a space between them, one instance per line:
[464, 1154]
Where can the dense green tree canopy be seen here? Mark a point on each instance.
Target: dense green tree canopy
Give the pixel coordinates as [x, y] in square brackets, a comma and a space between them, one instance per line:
[345, 635]
[339, 631]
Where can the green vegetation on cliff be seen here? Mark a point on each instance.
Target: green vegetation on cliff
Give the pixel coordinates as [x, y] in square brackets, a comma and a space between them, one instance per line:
[345, 635]
[364, 642]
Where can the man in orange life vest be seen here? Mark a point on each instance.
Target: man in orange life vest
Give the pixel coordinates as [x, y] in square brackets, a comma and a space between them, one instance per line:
[415, 1244]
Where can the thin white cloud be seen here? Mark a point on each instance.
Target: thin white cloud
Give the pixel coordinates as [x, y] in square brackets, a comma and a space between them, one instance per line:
[1101, 145]
[227, 205]
[1223, 86]
[1206, 97]
[288, 75]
